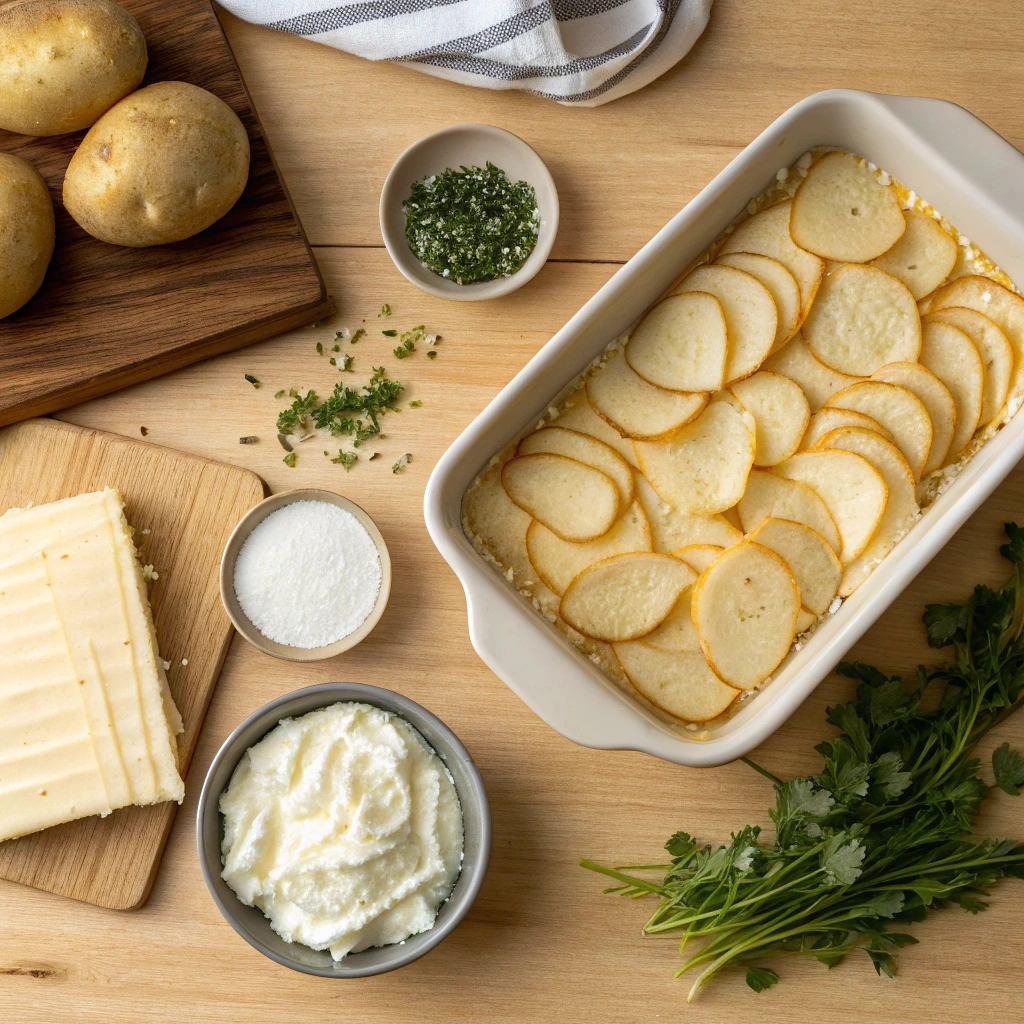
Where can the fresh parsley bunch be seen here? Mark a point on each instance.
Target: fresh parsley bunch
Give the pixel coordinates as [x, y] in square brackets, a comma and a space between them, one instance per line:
[880, 836]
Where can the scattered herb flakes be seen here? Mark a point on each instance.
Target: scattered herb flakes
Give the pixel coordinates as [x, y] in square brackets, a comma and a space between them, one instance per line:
[346, 363]
[319, 348]
[432, 354]
[358, 335]
[280, 394]
[298, 413]
[346, 459]
[385, 310]
[392, 333]
[375, 455]
[335, 348]
[285, 443]
[249, 439]
[144, 431]
[290, 459]
[342, 337]
[416, 404]
[254, 381]
[334, 362]
[402, 463]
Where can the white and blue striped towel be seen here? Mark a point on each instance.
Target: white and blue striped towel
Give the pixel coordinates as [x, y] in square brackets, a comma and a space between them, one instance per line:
[579, 52]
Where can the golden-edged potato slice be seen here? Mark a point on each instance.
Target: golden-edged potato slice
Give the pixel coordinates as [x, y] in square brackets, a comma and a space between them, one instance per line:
[950, 354]
[745, 607]
[780, 412]
[558, 562]
[578, 414]
[828, 419]
[671, 529]
[770, 495]
[682, 343]
[767, 233]
[810, 558]
[818, 381]
[698, 556]
[677, 633]
[899, 410]
[805, 620]
[862, 319]
[922, 257]
[750, 316]
[854, 492]
[574, 500]
[636, 407]
[680, 684]
[841, 211]
[901, 509]
[779, 282]
[626, 596]
[702, 469]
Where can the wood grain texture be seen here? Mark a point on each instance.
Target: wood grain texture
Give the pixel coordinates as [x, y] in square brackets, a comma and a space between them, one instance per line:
[189, 505]
[107, 316]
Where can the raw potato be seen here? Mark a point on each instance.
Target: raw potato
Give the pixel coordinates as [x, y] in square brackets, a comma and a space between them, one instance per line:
[160, 166]
[698, 556]
[862, 319]
[681, 344]
[583, 448]
[841, 211]
[828, 419]
[770, 495]
[625, 597]
[745, 608]
[637, 408]
[780, 283]
[810, 558]
[818, 381]
[951, 355]
[703, 468]
[767, 233]
[780, 412]
[576, 501]
[854, 492]
[671, 529]
[923, 256]
[557, 562]
[580, 415]
[63, 63]
[26, 232]
[937, 401]
[900, 411]
[677, 634]
[681, 685]
[750, 315]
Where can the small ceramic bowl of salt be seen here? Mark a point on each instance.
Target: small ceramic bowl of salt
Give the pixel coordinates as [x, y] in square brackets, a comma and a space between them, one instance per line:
[305, 575]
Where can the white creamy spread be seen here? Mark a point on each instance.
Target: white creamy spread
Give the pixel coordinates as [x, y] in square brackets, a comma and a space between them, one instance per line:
[344, 827]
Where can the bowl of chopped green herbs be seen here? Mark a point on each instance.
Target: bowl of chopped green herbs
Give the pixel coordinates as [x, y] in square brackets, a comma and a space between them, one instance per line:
[469, 213]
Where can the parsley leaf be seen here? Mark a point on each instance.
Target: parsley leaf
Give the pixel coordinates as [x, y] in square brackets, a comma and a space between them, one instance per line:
[760, 978]
[1008, 766]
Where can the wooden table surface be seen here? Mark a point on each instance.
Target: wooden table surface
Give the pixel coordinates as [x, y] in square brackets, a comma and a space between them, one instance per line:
[542, 943]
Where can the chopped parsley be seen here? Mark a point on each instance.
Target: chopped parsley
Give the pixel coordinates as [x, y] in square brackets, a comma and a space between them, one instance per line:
[390, 334]
[346, 363]
[431, 354]
[402, 463]
[319, 348]
[254, 381]
[346, 459]
[280, 394]
[357, 335]
[385, 310]
[290, 459]
[297, 414]
[416, 404]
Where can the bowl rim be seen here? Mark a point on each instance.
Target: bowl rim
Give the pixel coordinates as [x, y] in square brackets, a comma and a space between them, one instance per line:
[471, 874]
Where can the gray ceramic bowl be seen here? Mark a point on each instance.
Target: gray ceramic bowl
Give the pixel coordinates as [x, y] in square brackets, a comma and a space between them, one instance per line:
[250, 923]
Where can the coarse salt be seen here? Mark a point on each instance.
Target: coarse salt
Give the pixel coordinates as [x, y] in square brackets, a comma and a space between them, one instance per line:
[308, 575]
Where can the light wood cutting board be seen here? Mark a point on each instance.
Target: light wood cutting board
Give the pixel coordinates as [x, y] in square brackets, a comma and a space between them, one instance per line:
[189, 505]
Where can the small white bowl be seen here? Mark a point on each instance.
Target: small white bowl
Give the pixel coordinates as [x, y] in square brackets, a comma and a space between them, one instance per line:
[466, 145]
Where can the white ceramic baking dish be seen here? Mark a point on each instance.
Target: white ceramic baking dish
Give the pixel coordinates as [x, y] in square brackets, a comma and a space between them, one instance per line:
[974, 177]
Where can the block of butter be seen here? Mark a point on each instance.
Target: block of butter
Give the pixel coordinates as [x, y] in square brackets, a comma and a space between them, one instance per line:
[87, 721]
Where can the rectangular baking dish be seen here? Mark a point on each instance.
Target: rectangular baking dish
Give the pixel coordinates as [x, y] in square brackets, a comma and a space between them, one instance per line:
[961, 166]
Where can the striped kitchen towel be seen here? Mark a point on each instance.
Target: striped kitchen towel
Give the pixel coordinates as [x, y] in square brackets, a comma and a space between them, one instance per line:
[578, 52]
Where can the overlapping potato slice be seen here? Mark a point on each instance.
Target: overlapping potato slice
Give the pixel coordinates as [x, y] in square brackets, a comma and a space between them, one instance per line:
[818, 381]
[922, 257]
[677, 633]
[780, 412]
[682, 343]
[672, 529]
[745, 607]
[951, 355]
[636, 407]
[779, 282]
[810, 558]
[578, 414]
[901, 509]
[557, 562]
[698, 556]
[500, 524]
[900, 411]
[841, 211]
[702, 469]
[852, 489]
[862, 319]
[626, 596]
[750, 316]
[775, 496]
[574, 500]
[805, 620]
[829, 419]
[937, 401]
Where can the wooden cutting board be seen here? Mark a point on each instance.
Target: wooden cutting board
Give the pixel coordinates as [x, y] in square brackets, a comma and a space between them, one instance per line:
[108, 316]
[189, 505]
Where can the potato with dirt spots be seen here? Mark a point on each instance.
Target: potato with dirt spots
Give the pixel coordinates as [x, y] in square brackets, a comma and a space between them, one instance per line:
[26, 232]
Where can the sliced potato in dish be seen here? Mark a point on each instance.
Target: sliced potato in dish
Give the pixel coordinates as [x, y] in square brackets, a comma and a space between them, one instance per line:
[922, 257]
[671, 529]
[636, 407]
[681, 685]
[899, 410]
[862, 319]
[750, 315]
[698, 556]
[579, 414]
[626, 596]
[818, 381]
[828, 419]
[951, 355]
[558, 562]
[805, 620]
[745, 607]
[770, 495]
[810, 558]
[781, 414]
[841, 211]
[677, 633]
[703, 468]
[779, 282]
[574, 500]
[854, 492]
[682, 343]
[732, 515]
